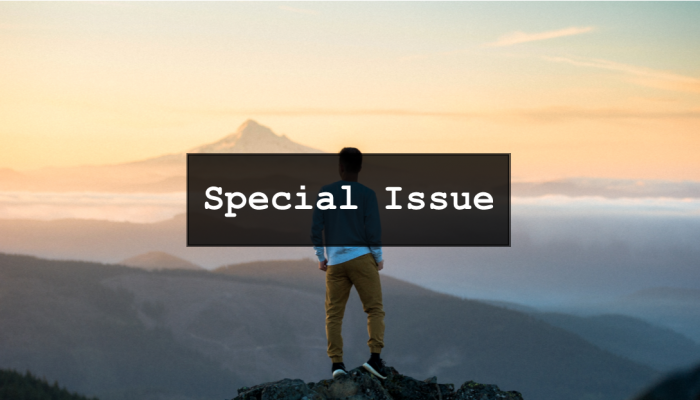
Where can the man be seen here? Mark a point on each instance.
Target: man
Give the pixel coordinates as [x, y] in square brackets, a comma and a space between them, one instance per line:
[354, 257]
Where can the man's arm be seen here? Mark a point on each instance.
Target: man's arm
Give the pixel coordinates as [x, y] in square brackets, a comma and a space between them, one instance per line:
[317, 237]
[322, 262]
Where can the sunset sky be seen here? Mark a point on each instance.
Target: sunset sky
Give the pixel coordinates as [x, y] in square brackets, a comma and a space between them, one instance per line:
[570, 89]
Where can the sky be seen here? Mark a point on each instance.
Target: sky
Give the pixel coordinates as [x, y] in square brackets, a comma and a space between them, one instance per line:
[570, 89]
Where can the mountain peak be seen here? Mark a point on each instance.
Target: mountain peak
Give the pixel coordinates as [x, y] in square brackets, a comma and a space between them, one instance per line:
[250, 124]
[252, 127]
[252, 137]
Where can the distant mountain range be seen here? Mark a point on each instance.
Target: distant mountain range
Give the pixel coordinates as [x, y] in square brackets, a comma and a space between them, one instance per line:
[158, 174]
[633, 338]
[166, 173]
[676, 308]
[126, 333]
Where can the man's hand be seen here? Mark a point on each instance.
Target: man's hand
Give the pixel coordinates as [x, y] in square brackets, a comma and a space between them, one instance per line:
[380, 265]
[323, 265]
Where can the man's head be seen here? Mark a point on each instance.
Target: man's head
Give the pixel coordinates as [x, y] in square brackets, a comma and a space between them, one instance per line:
[350, 162]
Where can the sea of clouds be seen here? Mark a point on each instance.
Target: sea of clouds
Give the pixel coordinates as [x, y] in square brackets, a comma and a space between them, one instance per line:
[153, 207]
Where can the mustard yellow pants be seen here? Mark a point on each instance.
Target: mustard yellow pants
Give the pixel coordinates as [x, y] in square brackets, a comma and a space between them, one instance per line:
[361, 272]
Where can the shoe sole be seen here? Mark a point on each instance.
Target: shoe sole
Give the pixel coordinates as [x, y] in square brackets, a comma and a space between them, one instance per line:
[373, 371]
[338, 372]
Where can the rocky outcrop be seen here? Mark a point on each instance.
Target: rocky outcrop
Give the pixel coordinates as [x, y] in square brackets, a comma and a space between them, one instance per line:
[361, 385]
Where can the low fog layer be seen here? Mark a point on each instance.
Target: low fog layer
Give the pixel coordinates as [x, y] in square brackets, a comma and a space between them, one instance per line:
[144, 207]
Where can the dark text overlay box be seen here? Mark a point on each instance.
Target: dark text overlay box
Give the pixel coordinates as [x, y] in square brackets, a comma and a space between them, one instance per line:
[479, 216]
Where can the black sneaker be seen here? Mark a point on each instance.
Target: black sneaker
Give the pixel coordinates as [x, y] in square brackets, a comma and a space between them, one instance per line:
[338, 370]
[375, 366]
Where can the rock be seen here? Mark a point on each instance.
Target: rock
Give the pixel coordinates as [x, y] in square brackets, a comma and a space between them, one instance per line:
[678, 386]
[288, 389]
[402, 387]
[359, 384]
[477, 391]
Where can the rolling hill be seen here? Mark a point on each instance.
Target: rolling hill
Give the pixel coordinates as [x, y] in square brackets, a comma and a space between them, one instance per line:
[660, 348]
[155, 260]
[572, 276]
[119, 332]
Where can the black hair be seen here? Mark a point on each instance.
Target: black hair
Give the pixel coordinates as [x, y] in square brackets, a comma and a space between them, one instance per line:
[351, 159]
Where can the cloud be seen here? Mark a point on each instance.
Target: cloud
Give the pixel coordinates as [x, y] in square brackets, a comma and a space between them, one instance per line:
[542, 114]
[154, 207]
[643, 76]
[598, 205]
[298, 10]
[114, 4]
[522, 37]
[568, 113]
[131, 207]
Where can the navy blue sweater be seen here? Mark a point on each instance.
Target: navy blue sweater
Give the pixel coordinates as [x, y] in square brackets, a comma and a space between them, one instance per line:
[347, 234]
